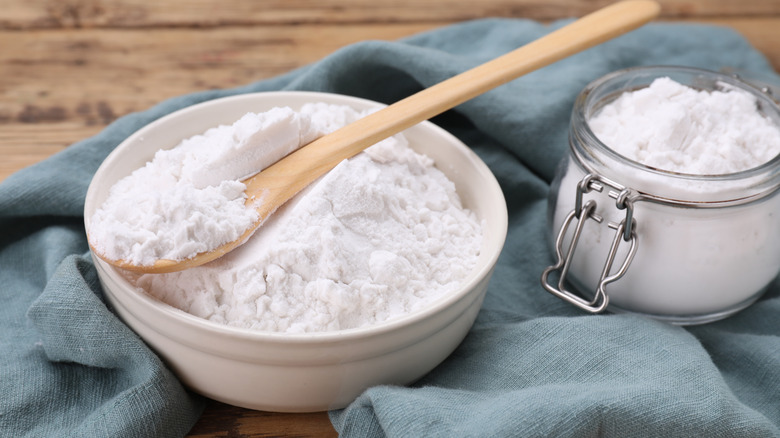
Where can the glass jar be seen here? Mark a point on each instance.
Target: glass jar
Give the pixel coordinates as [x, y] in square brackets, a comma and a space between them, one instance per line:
[683, 248]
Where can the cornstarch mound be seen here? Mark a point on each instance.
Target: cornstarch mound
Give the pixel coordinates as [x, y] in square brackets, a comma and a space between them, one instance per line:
[381, 235]
[676, 128]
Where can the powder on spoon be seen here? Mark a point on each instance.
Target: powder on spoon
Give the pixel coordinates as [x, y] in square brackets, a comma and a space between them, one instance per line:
[190, 199]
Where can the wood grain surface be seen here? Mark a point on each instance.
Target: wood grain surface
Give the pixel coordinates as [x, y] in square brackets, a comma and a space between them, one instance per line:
[70, 67]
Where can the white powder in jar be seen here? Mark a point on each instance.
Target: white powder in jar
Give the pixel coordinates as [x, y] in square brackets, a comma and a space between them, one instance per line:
[692, 264]
[380, 236]
[676, 128]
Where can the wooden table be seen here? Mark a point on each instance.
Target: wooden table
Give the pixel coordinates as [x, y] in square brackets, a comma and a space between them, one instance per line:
[70, 67]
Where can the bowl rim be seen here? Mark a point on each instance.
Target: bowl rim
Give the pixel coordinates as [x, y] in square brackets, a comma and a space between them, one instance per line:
[481, 271]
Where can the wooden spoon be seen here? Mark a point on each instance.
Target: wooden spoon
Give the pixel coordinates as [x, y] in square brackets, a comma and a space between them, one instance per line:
[275, 185]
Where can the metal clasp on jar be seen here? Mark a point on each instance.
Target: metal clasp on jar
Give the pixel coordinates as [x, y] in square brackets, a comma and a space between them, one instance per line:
[625, 231]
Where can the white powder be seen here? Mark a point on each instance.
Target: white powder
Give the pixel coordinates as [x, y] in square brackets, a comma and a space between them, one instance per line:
[691, 262]
[189, 199]
[380, 236]
[676, 128]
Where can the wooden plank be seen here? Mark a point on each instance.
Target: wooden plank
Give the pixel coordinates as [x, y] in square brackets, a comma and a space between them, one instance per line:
[221, 420]
[62, 85]
[39, 14]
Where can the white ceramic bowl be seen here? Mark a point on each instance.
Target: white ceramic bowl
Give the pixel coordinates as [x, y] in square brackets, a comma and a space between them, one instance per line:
[301, 372]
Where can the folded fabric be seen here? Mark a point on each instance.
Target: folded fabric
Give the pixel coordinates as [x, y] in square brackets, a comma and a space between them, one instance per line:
[531, 366]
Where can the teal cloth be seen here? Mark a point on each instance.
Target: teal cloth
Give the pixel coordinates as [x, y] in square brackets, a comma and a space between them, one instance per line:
[531, 366]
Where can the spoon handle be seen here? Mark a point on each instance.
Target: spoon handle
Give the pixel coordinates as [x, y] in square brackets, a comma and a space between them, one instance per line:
[291, 174]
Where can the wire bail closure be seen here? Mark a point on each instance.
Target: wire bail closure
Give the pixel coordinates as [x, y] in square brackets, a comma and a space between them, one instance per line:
[625, 231]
